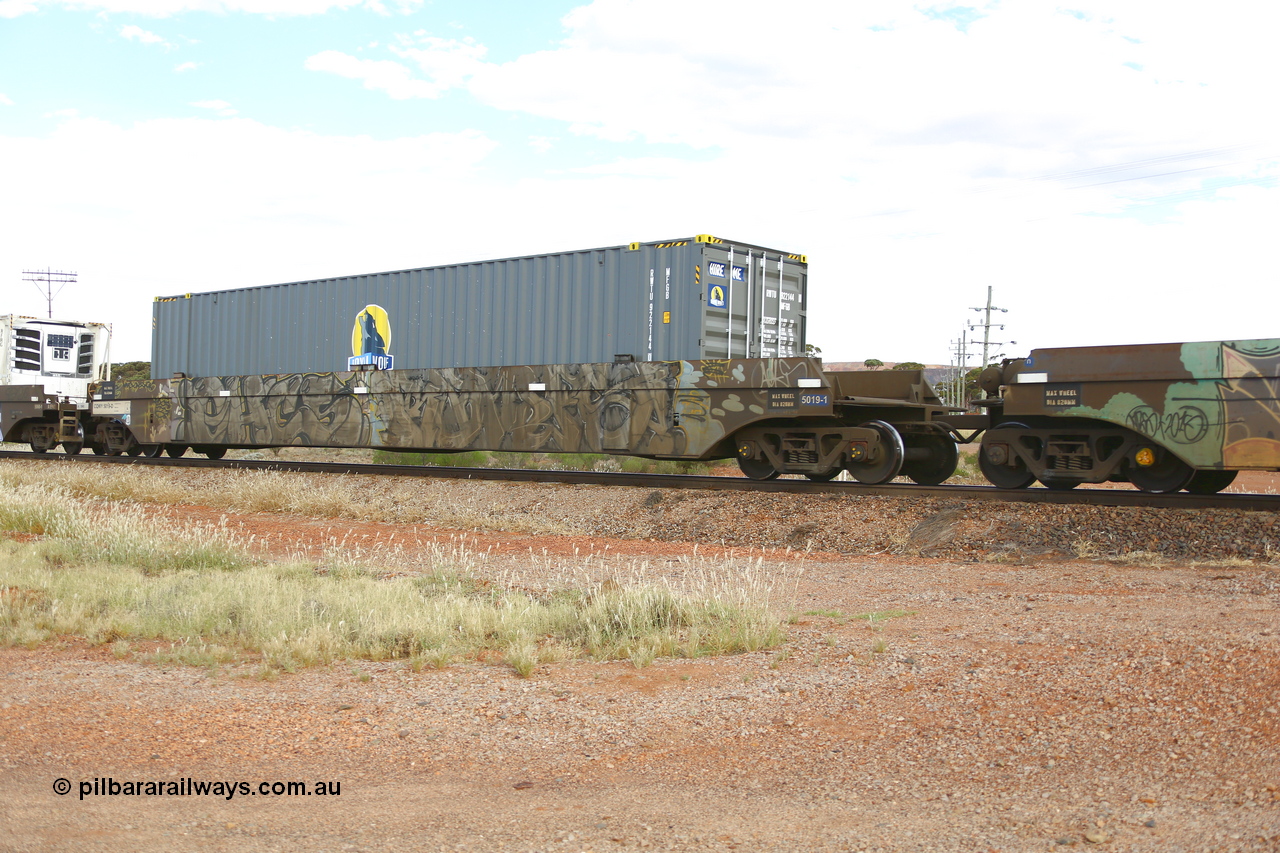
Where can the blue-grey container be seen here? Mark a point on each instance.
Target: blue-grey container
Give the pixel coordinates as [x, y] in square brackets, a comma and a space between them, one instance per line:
[673, 300]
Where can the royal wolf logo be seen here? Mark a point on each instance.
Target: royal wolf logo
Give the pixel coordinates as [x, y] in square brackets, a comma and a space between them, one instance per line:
[370, 339]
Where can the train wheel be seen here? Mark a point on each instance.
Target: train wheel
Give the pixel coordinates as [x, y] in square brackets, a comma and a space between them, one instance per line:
[887, 461]
[38, 448]
[942, 461]
[1210, 482]
[993, 454]
[756, 469]
[825, 476]
[1168, 474]
[72, 448]
[175, 450]
[219, 452]
[151, 451]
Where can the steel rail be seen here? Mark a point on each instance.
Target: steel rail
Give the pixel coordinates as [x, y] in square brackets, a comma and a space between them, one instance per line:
[1095, 497]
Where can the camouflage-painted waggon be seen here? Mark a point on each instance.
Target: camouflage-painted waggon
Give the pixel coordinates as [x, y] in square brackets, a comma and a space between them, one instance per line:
[1164, 417]
[775, 415]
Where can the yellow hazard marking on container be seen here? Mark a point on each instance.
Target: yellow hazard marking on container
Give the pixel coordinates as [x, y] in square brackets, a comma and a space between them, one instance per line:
[804, 259]
[671, 245]
[666, 316]
[697, 274]
[633, 247]
[707, 238]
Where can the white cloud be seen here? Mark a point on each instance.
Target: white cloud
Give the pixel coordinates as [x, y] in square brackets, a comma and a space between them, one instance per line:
[5, 100]
[14, 8]
[913, 160]
[138, 34]
[174, 206]
[222, 108]
[380, 75]
[895, 97]
[184, 67]
[164, 8]
[447, 64]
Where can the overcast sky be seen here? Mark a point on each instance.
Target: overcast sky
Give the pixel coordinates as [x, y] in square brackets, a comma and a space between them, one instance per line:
[1109, 167]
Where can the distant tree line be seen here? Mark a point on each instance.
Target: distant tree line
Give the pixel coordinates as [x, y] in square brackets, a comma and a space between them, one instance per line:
[876, 364]
[131, 370]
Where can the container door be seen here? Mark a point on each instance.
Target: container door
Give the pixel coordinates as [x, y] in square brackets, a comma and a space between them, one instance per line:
[780, 319]
[726, 331]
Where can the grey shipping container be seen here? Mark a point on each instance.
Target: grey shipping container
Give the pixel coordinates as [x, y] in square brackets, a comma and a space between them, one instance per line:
[699, 298]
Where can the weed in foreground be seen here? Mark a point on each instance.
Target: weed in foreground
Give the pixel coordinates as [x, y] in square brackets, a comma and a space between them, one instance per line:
[875, 617]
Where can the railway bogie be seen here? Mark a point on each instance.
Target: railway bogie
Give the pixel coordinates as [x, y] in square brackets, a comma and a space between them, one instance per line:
[1163, 417]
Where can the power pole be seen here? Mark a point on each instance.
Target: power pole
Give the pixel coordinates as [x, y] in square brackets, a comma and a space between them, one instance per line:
[45, 280]
[962, 368]
[986, 326]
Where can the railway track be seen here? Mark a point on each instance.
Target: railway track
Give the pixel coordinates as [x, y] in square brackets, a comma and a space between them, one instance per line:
[1097, 497]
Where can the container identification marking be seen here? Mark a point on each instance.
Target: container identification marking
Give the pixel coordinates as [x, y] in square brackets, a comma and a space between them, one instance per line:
[814, 400]
[739, 274]
[716, 268]
[715, 296]
[111, 407]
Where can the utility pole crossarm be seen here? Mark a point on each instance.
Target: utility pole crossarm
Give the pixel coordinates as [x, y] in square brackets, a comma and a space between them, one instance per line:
[45, 280]
[986, 325]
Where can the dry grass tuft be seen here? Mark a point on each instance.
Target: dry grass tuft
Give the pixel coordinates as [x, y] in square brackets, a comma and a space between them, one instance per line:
[319, 495]
[103, 571]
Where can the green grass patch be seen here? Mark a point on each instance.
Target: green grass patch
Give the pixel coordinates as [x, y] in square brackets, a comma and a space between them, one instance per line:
[877, 616]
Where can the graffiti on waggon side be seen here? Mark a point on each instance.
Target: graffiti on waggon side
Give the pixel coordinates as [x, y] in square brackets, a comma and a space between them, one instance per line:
[677, 408]
[1250, 394]
[1221, 410]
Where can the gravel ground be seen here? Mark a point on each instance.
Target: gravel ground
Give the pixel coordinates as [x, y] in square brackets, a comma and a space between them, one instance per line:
[1013, 695]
